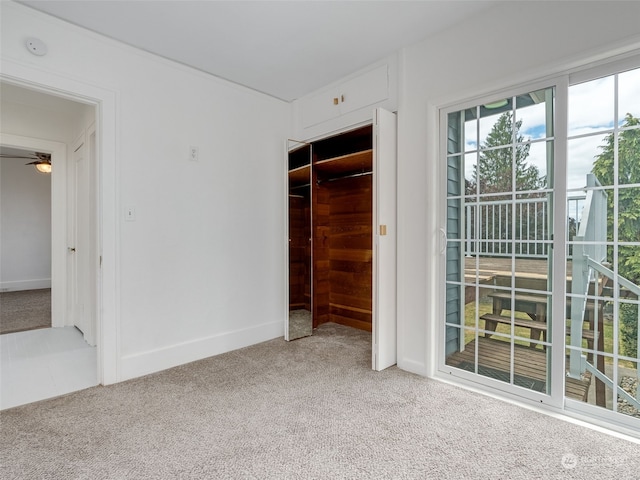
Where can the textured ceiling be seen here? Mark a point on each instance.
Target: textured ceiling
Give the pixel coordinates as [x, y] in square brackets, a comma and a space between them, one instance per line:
[282, 48]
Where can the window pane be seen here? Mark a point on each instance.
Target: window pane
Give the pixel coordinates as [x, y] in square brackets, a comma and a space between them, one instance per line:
[470, 167]
[628, 95]
[495, 170]
[629, 216]
[530, 371]
[531, 272]
[532, 220]
[454, 133]
[471, 244]
[582, 152]
[591, 106]
[470, 130]
[464, 359]
[454, 268]
[629, 267]
[628, 333]
[628, 380]
[494, 225]
[629, 155]
[454, 175]
[532, 161]
[531, 114]
[454, 218]
[496, 130]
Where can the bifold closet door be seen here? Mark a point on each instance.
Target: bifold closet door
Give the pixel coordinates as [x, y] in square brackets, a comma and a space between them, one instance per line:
[384, 348]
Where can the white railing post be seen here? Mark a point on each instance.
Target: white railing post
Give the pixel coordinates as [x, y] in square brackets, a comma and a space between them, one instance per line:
[468, 232]
[579, 286]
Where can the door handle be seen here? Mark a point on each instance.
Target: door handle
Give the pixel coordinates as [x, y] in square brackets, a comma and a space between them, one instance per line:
[71, 249]
[444, 241]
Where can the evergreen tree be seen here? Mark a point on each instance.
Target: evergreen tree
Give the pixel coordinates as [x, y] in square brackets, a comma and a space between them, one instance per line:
[495, 167]
[501, 153]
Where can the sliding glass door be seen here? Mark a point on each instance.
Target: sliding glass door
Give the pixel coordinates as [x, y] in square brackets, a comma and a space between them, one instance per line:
[499, 226]
[541, 253]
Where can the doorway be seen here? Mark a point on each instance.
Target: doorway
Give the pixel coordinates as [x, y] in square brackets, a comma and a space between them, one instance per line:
[62, 118]
[25, 240]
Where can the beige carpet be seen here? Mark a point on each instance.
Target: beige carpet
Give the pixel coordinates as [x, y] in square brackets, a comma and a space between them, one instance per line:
[25, 310]
[309, 409]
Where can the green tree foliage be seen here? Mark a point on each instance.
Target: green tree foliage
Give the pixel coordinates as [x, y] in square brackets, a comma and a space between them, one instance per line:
[628, 215]
[495, 166]
[503, 151]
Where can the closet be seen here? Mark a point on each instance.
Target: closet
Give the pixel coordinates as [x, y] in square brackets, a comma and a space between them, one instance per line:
[342, 223]
[341, 234]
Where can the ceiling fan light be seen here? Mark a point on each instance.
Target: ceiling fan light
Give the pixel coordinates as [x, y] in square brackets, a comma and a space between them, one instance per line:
[43, 167]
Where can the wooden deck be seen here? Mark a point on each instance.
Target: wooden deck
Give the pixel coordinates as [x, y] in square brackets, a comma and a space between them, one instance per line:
[530, 366]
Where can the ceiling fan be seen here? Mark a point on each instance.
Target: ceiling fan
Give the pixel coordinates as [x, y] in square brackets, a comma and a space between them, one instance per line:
[42, 161]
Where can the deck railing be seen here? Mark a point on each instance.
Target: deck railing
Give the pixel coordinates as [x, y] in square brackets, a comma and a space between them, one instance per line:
[492, 226]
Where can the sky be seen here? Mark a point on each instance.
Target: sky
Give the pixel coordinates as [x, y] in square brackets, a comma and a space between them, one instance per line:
[591, 119]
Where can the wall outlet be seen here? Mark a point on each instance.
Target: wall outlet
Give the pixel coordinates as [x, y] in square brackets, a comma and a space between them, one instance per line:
[194, 153]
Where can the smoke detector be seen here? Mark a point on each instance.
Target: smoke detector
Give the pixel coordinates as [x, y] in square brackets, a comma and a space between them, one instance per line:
[36, 46]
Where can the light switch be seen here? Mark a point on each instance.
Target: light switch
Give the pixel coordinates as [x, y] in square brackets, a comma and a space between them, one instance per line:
[130, 214]
[194, 153]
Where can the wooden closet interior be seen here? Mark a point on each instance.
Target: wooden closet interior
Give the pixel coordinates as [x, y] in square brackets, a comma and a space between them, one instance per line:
[331, 229]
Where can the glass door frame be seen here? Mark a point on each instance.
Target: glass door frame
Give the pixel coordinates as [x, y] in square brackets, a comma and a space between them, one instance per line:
[556, 334]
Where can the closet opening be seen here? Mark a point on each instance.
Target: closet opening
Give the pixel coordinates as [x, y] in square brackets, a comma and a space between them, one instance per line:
[341, 234]
[331, 232]
[342, 227]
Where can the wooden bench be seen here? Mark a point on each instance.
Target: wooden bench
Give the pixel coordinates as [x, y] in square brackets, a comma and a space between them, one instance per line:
[538, 329]
[535, 306]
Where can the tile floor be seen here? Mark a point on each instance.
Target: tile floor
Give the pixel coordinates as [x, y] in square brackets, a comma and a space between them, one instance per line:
[44, 363]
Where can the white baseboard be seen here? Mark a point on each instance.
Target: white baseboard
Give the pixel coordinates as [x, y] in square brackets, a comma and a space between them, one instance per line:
[20, 285]
[412, 366]
[136, 365]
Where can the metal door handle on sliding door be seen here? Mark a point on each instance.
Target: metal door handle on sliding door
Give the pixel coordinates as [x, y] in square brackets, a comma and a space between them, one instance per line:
[444, 241]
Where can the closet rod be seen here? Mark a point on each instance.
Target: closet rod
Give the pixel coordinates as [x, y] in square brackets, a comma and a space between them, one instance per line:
[300, 186]
[353, 175]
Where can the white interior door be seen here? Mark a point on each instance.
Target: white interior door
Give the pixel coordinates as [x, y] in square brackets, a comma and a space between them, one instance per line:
[81, 248]
[384, 348]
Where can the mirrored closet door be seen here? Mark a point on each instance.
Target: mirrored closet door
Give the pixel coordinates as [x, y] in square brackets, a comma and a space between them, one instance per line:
[300, 299]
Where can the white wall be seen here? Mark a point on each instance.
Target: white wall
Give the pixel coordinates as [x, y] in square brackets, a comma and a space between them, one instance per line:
[507, 45]
[25, 226]
[200, 271]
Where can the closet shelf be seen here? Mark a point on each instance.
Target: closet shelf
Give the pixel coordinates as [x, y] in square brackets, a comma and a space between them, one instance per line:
[353, 162]
[300, 175]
